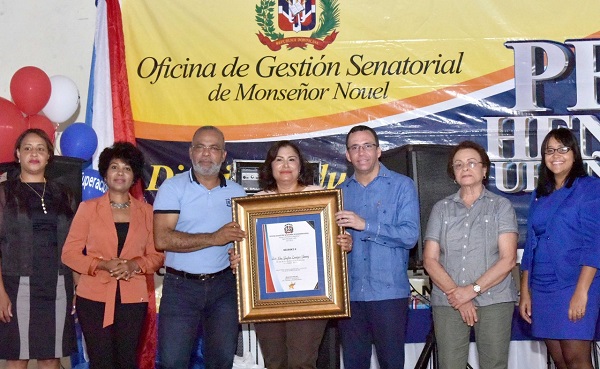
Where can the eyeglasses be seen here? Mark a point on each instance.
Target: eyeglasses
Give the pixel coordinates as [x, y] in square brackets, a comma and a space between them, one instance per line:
[470, 164]
[560, 150]
[366, 147]
[212, 149]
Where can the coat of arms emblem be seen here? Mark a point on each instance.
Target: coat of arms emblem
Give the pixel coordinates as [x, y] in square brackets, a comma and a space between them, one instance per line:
[299, 17]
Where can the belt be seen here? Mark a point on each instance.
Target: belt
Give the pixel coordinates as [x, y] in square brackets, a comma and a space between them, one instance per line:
[199, 277]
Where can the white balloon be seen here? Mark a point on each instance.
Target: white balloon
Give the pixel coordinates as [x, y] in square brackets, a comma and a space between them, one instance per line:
[64, 99]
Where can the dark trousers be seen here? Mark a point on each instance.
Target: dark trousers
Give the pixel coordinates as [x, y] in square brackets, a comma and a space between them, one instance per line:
[116, 345]
[379, 323]
[187, 304]
[294, 344]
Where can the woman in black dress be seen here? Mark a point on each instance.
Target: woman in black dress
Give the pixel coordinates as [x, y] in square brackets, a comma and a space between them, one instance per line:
[36, 289]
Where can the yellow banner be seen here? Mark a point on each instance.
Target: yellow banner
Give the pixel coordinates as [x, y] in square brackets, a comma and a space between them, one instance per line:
[265, 68]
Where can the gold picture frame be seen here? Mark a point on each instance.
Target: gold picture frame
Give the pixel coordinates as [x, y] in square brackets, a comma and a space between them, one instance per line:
[290, 245]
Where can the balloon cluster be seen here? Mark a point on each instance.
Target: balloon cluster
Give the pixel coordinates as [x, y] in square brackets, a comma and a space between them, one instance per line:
[43, 102]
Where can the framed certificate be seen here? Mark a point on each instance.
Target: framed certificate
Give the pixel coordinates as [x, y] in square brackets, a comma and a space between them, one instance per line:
[291, 267]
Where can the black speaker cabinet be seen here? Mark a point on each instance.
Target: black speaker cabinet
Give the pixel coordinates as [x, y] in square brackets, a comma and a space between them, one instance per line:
[63, 169]
[245, 173]
[426, 165]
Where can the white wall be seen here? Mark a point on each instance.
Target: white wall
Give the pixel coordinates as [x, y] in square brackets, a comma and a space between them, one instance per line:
[56, 36]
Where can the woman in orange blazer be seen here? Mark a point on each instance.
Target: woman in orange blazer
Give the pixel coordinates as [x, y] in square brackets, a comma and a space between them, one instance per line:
[110, 244]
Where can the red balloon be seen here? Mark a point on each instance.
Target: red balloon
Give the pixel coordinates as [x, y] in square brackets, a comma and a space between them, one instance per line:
[43, 123]
[12, 124]
[30, 89]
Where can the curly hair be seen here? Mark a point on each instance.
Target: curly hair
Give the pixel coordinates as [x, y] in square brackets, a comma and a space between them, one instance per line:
[126, 152]
[266, 180]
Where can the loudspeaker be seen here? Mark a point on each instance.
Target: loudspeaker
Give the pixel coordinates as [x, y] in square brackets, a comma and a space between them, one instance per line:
[62, 169]
[426, 165]
[66, 170]
[245, 173]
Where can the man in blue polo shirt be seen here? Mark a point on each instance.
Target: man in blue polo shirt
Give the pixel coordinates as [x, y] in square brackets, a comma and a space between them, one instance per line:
[193, 225]
[382, 215]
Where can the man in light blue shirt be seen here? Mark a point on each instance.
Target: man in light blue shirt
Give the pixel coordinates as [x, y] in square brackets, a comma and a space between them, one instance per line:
[193, 225]
[382, 215]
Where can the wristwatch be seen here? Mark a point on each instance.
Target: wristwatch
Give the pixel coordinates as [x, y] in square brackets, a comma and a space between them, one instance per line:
[477, 289]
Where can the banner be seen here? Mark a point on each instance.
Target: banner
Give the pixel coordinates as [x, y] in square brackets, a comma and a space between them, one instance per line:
[499, 73]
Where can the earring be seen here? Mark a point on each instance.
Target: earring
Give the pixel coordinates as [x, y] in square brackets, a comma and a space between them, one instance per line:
[455, 182]
[484, 176]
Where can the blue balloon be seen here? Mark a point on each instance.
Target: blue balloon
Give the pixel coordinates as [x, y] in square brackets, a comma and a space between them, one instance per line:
[92, 184]
[79, 141]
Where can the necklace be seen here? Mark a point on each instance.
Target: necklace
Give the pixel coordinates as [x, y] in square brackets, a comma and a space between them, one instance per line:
[37, 193]
[120, 205]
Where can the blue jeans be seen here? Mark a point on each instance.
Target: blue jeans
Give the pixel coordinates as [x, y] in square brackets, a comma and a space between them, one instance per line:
[379, 323]
[186, 304]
